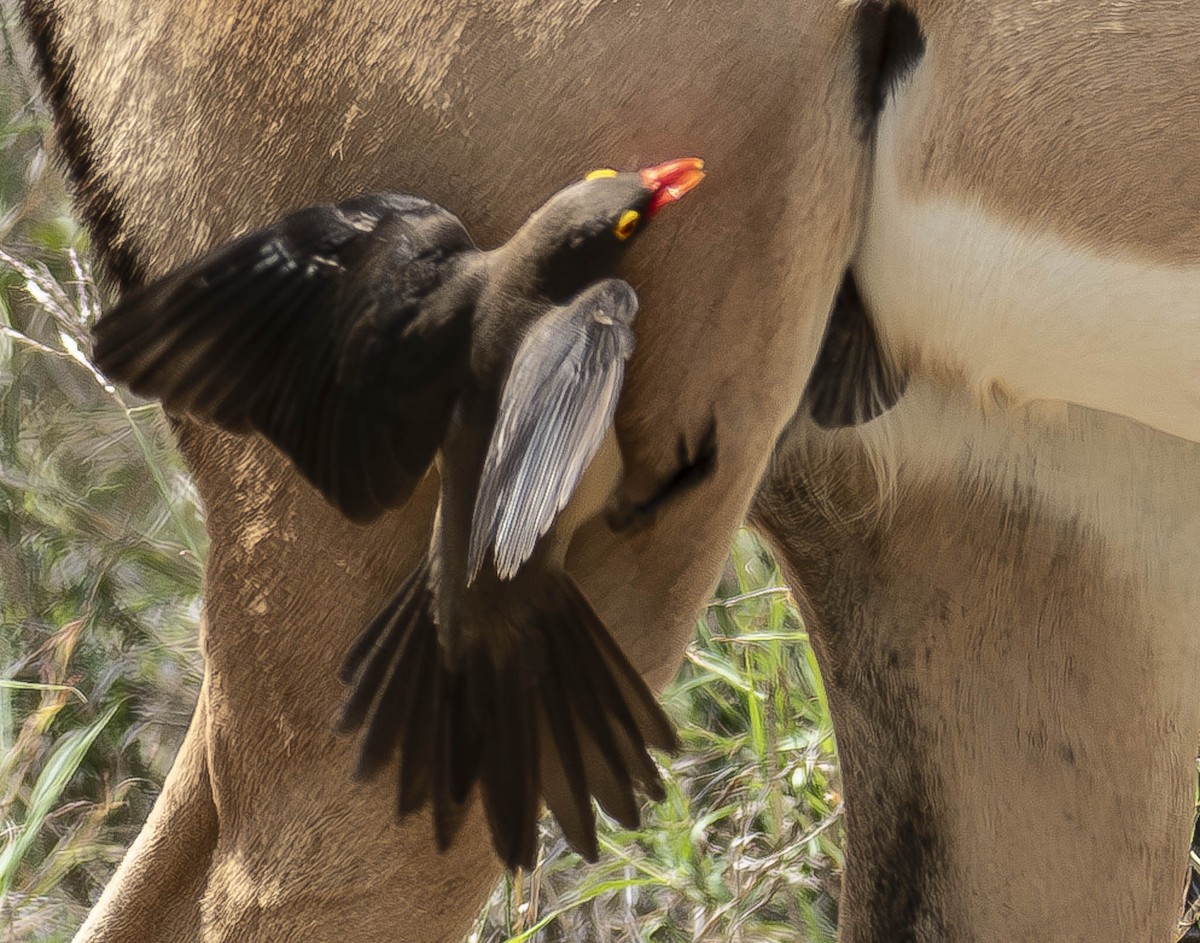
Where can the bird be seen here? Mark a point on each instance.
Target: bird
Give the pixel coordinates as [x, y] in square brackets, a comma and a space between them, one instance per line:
[370, 340]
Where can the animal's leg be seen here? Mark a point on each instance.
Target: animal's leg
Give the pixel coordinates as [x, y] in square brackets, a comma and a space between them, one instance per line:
[166, 868]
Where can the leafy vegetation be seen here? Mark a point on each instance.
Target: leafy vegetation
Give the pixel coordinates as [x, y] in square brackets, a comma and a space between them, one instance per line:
[101, 547]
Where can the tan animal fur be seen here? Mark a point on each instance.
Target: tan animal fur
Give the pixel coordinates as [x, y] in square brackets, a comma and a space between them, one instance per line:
[1003, 596]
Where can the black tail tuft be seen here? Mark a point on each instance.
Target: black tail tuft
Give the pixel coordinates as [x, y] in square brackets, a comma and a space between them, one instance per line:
[563, 717]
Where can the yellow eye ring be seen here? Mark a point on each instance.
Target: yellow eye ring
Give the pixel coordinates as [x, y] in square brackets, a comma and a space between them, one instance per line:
[601, 174]
[627, 224]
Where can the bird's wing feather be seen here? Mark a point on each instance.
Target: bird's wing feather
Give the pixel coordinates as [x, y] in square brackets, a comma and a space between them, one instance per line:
[312, 332]
[555, 410]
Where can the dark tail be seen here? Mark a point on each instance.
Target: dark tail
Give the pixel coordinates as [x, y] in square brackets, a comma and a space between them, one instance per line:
[563, 717]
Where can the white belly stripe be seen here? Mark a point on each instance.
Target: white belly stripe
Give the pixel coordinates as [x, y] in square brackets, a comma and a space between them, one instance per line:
[1020, 309]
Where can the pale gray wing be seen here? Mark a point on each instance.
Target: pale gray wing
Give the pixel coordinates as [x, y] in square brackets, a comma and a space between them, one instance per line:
[555, 410]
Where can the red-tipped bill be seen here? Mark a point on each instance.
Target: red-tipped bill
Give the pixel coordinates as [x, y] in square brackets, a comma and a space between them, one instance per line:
[672, 180]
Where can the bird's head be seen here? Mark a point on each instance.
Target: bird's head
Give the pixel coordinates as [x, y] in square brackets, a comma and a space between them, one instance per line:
[580, 233]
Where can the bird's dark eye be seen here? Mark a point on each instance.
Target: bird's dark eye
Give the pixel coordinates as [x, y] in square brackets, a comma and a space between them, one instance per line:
[627, 224]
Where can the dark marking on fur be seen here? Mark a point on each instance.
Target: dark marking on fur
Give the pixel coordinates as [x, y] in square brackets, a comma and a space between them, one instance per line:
[102, 211]
[910, 854]
[695, 466]
[903, 845]
[898, 880]
[852, 381]
[890, 44]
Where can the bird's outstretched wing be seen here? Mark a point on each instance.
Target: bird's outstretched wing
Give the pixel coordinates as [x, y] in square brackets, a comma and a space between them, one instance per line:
[555, 411]
[316, 333]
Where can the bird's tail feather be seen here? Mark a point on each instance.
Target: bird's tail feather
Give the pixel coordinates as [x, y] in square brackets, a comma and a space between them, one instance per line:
[561, 717]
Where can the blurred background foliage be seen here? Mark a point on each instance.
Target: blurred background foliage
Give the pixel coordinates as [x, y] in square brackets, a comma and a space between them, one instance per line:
[101, 551]
[101, 546]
